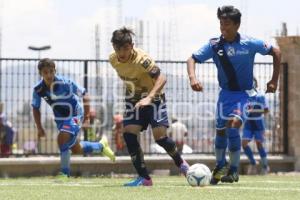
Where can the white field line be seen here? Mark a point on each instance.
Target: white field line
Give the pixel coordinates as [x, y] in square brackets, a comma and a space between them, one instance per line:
[220, 187]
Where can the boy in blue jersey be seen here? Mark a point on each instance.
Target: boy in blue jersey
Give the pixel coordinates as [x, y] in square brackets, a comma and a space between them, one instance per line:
[63, 97]
[254, 127]
[233, 55]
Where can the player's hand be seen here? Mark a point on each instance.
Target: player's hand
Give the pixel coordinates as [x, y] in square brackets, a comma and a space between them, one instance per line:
[41, 132]
[196, 85]
[143, 102]
[272, 86]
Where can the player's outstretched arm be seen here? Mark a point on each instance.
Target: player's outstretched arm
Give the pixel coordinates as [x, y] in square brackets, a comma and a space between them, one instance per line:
[37, 120]
[195, 84]
[272, 84]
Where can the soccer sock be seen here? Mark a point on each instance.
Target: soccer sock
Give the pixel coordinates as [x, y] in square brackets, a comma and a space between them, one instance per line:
[234, 148]
[220, 149]
[136, 154]
[90, 147]
[249, 154]
[65, 162]
[263, 156]
[169, 145]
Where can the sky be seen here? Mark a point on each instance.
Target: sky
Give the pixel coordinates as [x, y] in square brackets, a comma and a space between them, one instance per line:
[68, 25]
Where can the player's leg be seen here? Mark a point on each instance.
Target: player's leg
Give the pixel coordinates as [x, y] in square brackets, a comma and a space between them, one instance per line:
[86, 147]
[238, 112]
[234, 146]
[161, 138]
[259, 139]
[65, 141]
[137, 156]
[246, 138]
[158, 118]
[221, 141]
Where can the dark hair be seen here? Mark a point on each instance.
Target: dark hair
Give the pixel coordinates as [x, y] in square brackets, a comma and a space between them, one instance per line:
[122, 36]
[229, 12]
[46, 62]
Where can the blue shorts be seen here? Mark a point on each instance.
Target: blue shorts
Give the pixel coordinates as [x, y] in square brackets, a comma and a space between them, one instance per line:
[154, 114]
[231, 104]
[71, 126]
[258, 135]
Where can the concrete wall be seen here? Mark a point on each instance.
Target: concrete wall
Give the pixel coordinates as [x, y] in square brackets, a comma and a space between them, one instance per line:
[87, 166]
[290, 49]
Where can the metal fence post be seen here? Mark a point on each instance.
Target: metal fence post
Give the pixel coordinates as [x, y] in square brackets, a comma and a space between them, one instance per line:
[285, 108]
[85, 85]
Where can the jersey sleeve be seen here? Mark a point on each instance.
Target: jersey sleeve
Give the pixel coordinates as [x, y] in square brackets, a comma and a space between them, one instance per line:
[36, 100]
[203, 54]
[261, 47]
[147, 63]
[77, 89]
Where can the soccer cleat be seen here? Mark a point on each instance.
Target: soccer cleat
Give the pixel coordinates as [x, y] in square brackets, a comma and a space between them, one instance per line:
[265, 170]
[62, 177]
[252, 170]
[230, 177]
[217, 173]
[106, 151]
[139, 181]
[184, 167]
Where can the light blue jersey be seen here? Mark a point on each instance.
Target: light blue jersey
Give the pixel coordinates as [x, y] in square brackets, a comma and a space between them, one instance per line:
[234, 62]
[240, 53]
[255, 121]
[63, 99]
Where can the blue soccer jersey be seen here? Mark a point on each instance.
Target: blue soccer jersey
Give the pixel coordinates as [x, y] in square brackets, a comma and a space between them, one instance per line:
[63, 99]
[238, 74]
[255, 120]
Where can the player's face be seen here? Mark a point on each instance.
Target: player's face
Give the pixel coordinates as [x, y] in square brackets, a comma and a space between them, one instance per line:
[228, 29]
[124, 52]
[48, 74]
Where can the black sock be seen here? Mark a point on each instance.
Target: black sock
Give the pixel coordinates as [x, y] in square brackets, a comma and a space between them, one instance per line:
[169, 145]
[137, 155]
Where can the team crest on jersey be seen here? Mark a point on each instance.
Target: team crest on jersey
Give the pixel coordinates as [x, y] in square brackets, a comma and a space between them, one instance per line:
[220, 52]
[230, 51]
[146, 63]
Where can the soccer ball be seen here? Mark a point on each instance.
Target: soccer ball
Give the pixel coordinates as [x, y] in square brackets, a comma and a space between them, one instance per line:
[198, 175]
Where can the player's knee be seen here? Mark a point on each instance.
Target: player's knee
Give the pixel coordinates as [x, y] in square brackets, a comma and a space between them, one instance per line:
[234, 123]
[245, 143]
[64, 147]
[167, 143]
[259, 144]
[234, 139]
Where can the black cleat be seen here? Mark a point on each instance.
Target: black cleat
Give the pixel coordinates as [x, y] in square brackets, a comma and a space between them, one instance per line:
[230, 177]
[217, 173]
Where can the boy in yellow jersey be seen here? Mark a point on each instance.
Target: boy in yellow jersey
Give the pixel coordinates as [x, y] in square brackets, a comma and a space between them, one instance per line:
[145, 103]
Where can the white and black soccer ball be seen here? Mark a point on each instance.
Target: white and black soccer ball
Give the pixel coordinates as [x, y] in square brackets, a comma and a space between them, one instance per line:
[198, 175]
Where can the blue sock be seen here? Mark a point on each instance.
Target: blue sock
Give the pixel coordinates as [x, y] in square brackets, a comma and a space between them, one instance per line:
[263, 156]
[65, 162]
[220, 149]
[249, 154]
[90, 147]
[234, 146]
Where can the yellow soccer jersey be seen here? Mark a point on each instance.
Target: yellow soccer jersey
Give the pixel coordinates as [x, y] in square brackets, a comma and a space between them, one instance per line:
[135, 73]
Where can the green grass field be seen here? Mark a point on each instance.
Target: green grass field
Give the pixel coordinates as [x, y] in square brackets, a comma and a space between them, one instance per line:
[271, 187]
